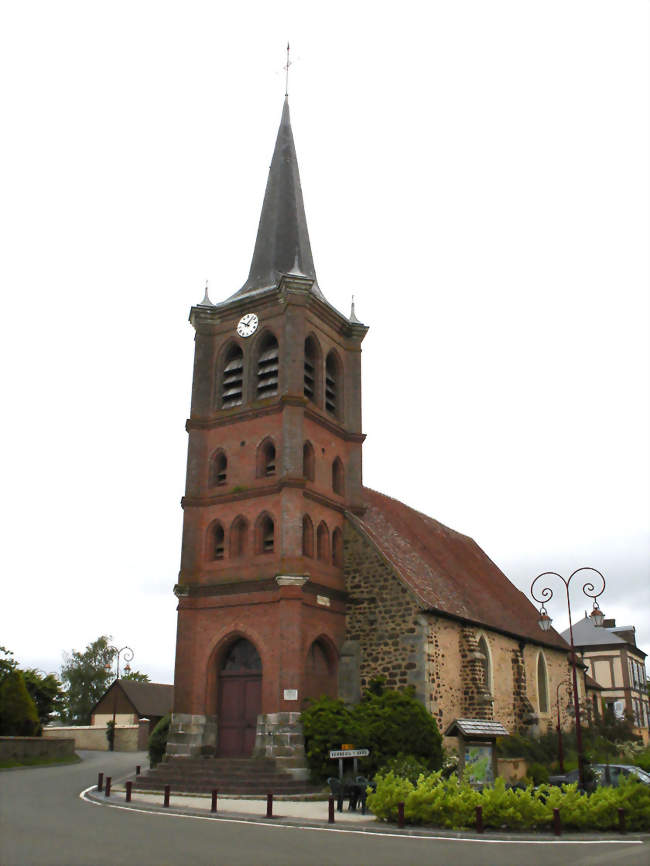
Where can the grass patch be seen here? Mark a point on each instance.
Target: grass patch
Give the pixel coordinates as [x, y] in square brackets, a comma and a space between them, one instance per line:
[39, 761]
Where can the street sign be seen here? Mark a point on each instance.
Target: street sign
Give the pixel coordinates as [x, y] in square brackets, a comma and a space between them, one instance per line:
[349, 753]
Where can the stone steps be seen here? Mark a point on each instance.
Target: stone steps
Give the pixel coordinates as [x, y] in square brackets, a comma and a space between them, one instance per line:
[252, 776]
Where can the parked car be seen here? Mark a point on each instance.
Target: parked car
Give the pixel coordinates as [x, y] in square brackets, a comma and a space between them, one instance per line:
[609, 775]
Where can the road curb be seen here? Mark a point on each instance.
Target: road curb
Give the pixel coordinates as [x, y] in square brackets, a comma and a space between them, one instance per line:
[92, 796]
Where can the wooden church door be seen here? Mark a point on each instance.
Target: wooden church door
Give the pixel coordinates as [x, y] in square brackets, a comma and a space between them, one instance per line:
[240, 699]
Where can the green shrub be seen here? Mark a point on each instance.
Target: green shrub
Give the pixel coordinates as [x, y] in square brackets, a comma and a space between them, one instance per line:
[18, 714]
[452, 803]
[405, 767]
[158, 740]
[387, 722]
[326, 724]
[538, 773]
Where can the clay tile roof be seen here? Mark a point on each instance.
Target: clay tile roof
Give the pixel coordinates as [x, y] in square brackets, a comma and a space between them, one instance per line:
[149, 699]
[448, 572]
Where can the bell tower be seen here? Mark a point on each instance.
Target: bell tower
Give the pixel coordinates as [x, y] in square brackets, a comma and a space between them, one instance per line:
[274, 464]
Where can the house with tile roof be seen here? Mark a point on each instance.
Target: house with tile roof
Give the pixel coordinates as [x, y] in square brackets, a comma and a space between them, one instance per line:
[296, 580]
[617, 664]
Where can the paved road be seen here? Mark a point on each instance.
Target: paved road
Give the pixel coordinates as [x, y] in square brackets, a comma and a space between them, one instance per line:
[43, 822]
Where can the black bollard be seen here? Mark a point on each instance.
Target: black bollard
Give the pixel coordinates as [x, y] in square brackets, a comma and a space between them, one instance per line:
[129, 785]
[100, 781]
[400, 814]
[107, 791]
[269, 805]
[137, 769]
[166, 797]
[330, 808]
[213, 807]
[557, 824]
[621, 821]
[479, 819]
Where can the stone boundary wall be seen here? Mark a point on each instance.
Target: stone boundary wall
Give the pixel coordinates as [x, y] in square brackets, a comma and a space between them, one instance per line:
[17, 748]
[94, 738]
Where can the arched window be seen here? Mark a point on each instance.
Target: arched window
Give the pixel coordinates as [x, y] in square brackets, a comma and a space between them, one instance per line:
[265, 535]
[216, 540]
[337, 548]
[332, 384]
[238, 537]
[308, 461]
[307, 536]
[542, 683]
[267, 367]
[218, 469]
[486, 664]
[312, 356]
[320, 671]
[323, 543]
[232, 381]
[317, 662]
[266, 459]
[241, 657]
[338, 479]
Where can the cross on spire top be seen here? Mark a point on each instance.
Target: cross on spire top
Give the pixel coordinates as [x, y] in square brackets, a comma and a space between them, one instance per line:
[286, 68]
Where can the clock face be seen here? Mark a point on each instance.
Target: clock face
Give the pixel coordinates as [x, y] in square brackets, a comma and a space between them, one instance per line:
[247, 325]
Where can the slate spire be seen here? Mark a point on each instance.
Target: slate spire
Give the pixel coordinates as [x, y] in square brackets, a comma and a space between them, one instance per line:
[282, 245]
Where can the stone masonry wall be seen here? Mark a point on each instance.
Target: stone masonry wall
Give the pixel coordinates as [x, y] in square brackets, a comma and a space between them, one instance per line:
[383, 617]
[440, 656]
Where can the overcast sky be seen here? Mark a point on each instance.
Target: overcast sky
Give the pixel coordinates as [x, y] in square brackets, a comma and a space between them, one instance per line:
[475, 173]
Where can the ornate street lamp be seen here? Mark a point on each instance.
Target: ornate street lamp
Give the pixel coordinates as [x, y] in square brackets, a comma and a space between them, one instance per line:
[128, 657]
[544, 622]
[560, 750]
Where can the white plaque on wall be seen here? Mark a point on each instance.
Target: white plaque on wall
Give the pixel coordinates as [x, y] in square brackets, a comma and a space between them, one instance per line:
[291, 694]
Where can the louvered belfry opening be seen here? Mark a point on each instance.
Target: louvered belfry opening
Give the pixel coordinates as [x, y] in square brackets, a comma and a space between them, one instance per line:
[331, 384]
[267, 368]
[310, 370]
[233, 379]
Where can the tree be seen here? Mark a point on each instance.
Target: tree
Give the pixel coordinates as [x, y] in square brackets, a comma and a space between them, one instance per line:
[86, 678]
[7, 663]
[136, 676]
[46, 692]
[18, 715]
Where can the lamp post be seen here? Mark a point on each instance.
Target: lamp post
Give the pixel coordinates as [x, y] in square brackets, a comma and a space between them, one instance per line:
[560, 751]
[128, 657]
[544, 622]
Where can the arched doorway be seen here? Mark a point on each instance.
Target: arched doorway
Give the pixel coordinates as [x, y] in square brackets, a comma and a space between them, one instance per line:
[240, 698]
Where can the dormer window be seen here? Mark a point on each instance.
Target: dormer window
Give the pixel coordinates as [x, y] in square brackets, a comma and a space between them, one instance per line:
[233, 379]
[267, 368]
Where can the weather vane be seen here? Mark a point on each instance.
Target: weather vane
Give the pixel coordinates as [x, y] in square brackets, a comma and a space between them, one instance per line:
[286, 79]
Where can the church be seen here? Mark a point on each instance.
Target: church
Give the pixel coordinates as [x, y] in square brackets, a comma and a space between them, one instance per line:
[296, 581]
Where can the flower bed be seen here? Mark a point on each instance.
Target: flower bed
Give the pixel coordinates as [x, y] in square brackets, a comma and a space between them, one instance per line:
[452, 803]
